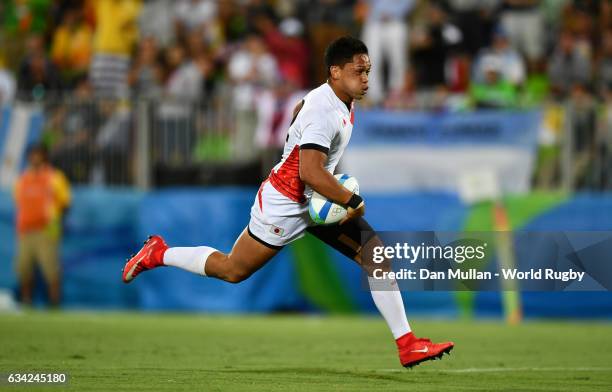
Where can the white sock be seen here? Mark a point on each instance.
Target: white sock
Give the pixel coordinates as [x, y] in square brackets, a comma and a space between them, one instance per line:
[192, 259]
[388, 300]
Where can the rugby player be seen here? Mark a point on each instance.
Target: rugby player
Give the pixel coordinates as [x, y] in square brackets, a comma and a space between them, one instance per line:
[320, 131]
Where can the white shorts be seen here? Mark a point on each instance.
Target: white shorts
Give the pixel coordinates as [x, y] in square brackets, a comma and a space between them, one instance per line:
[277, 220]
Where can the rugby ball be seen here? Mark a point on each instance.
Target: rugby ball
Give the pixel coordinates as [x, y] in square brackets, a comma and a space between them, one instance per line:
[325, 212]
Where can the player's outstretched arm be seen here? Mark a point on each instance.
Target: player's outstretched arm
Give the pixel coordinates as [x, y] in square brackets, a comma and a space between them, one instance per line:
[313, 173]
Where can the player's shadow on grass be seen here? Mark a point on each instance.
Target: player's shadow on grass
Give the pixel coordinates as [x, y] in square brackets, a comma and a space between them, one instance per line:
[320, 372]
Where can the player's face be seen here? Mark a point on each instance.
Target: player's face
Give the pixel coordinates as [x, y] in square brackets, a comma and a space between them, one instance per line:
[354, 76]
[36, 159]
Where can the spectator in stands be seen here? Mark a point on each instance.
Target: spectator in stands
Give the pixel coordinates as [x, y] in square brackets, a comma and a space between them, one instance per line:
[193, 14]
[187, 75]
[250, 69]
[524, 22]
[146, 73]
[553, 13]
[385, 32]
[183, 89]
[476, 20]
[581, 19]
[232, 20]
[604, 66]
[458, 72]
[111, 146]
[7, 84]
[21, 19]
[605, 15]
[327, 20]
[26, 16]
[188, 81]
[583, 142]
[434, 46]
[568, 66]
[404, 98]
[494, 91]
[155, 21]
[71, 47]
[37, 77]
[512, 64]
[115, 36]
[288, 48]
[70, 131]
[274, 115]
[197, 16]
[42, 196]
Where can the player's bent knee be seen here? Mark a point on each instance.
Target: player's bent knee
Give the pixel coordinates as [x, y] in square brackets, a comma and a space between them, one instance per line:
[237, 276]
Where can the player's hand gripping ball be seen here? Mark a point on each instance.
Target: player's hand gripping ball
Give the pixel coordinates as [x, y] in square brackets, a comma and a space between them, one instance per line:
[325, 212]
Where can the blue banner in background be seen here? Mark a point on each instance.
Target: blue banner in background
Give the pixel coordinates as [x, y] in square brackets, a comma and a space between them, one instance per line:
[214, 217]
[414, 152]
[507, 128]
[106, 226]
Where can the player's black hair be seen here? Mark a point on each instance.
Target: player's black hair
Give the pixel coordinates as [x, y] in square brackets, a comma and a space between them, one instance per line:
[342, 50]
[39, 149]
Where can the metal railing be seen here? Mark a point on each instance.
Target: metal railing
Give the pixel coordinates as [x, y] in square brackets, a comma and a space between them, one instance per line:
[130, 142]
[120, 142]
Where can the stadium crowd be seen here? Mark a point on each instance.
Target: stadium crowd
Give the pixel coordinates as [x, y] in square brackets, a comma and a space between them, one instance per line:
[436, 55]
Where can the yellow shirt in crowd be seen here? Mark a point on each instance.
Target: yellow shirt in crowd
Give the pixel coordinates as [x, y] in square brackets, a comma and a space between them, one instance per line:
[71, 49]
[116, 26]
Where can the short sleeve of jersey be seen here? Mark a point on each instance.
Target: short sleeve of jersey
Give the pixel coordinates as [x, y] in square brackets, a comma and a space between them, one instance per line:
[317, 132]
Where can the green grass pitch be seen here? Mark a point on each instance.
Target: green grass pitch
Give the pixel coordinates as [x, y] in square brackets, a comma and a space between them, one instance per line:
[121, 352]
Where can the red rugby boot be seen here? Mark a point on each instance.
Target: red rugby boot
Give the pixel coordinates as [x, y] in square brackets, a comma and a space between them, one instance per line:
[150, 256]
[413, 350]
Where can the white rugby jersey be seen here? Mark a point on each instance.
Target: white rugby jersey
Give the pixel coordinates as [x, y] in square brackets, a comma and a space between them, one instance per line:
[324, 123]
